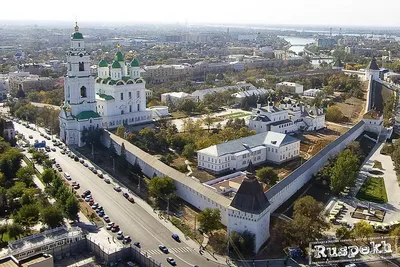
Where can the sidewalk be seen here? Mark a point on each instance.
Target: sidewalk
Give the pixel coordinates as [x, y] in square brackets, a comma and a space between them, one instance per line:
[98, 235]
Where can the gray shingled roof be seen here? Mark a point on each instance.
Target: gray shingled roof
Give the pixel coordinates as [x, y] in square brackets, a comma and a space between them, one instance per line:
[308, 164]
[250, 197]
[235, 146]
[373, 65]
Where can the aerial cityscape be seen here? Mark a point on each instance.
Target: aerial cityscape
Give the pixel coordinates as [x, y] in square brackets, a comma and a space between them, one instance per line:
[199, 140]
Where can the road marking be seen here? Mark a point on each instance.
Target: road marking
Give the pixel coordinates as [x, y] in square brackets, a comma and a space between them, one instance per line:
[174, 250]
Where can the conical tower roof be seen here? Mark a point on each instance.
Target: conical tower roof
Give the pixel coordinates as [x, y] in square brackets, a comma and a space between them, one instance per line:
[373, 65]
[250, 197]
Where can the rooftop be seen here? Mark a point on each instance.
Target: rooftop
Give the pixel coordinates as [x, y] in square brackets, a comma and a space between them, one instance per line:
[85, 115]
[238, 145]
[373, 65]
[34, 259]
[8, 262]
[105, 97]
[223, 88]
[177, 94]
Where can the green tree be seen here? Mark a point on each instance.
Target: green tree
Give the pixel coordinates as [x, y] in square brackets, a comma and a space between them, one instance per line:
[208, 121]
[10, 162]
[334, 114]
[345, 171]
[72, 208]
[395, 232]
[3, 230]
[52, 216]
[162, 187]
[267, 176]
[39, 157]
[210, 220]
[16, 190]
[343, 233]
[121, 131]
[15, 230]
[24, 174]
[362, 229]
[188, 106]
[242, 244]
[28, 215]
[189, 150]
[48, 176]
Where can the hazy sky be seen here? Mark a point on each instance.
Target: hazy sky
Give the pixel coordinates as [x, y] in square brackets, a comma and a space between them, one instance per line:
[292, 12]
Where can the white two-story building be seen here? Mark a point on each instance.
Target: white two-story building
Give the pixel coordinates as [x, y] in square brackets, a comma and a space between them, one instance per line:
[260, 148]
[286, 118]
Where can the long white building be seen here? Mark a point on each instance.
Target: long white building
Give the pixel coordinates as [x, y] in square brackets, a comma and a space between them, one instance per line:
[260, 148]
[286, 118]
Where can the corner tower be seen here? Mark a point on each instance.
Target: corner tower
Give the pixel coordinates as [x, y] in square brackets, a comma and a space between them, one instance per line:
[79, 108]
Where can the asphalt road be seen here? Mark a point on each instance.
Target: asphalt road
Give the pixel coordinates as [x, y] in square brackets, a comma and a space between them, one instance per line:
[133, 219]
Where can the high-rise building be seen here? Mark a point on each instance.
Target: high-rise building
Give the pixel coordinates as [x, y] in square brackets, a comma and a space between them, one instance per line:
[79, 109]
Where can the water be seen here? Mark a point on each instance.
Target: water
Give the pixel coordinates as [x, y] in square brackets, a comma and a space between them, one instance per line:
[299, 42]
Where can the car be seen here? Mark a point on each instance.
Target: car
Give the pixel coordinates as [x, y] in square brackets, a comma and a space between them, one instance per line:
[107, 180]
[57, 165]
[137, 244]
[91, 168]
[120, 235]
[88, 198]
[126, 195]
[176, 237]
[74, 183]
[41, 134]
[85, 164]
[94, 171]
[95, 205]
[163, 249]
[117, 188]
[109, 225]
[127, 239]
[100, 175]
[86, 193]
[76, 187]
[91, 201]
[30, 137]
[131, 199]
[59, 169]
[115, 228]
[76, 158]
[62, 152]
[53, 149]
[48, 149]
[81, 161]
[101, 213]
[106, 218]
[48, 137]
[171, 261]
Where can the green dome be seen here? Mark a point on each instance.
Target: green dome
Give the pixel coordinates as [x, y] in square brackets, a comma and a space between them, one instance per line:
[135, 63]
[119, 56]
[116, 65]
[76, 36]
[103, 63]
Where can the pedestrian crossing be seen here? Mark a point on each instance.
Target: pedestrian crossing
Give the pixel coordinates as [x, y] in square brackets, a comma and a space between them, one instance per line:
[171, 250]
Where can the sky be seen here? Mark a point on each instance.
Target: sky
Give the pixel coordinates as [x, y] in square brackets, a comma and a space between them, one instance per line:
[267, 12]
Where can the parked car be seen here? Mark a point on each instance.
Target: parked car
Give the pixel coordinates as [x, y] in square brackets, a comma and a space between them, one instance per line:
[95, 205]
[91, 168]
[85, 164]
[171, 261]
[109, 225]
[127, 239]
[126, 195]
[86, 193]
[62, 152]
[137, 244]
[76, 158]
[106, 218]
[117, 188]
[131, 199]
[88, 198]
[115, 228]
[107, 180]
[120, 235]
[81, 161]
[53, 149]
[94, 171]
[30, 137]
[101, 213]
[100, 175]
[163, 249]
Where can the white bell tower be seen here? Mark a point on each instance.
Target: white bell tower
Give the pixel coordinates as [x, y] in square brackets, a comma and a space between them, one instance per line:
[79, 109]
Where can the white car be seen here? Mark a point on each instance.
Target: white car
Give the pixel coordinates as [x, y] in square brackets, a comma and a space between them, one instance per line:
[106, 218]
[109, 225]
[117, 188]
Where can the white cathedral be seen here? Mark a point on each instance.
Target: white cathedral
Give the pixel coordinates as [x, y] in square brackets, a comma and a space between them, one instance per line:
[116, 97]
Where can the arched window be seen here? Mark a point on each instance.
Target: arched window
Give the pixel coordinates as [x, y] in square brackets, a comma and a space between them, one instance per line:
[83, 91]
[81, 66]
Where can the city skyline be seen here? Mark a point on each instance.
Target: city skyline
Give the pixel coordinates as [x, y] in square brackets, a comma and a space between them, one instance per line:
[300, 12]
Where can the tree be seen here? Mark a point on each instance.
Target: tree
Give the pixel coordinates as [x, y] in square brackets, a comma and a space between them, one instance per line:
[10, 162]
[72, 208]
[208, 121]
[343, 233]
[188, 106]
[52, 216]
[395, 232]
[267, 176]
[39, 157]
[15, 230]
[210, 220]
[362, 229]
[189, 150]
[24, 174]
[162, 187]
[28, 215]
[334, 114]
[121, 131]
[345, 171]
[48, 176]
[3, 230]
[242, 244]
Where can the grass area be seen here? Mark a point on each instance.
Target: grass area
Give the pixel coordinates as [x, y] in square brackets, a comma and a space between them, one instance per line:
[377, 165]
[178, 115]
[373, 190]
[235, 115]
[352, 108]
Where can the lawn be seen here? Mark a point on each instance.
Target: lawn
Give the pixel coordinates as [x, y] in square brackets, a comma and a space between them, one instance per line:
[373, 190]
[378, 165]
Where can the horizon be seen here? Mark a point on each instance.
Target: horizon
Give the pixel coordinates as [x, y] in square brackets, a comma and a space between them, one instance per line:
[295, 13]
